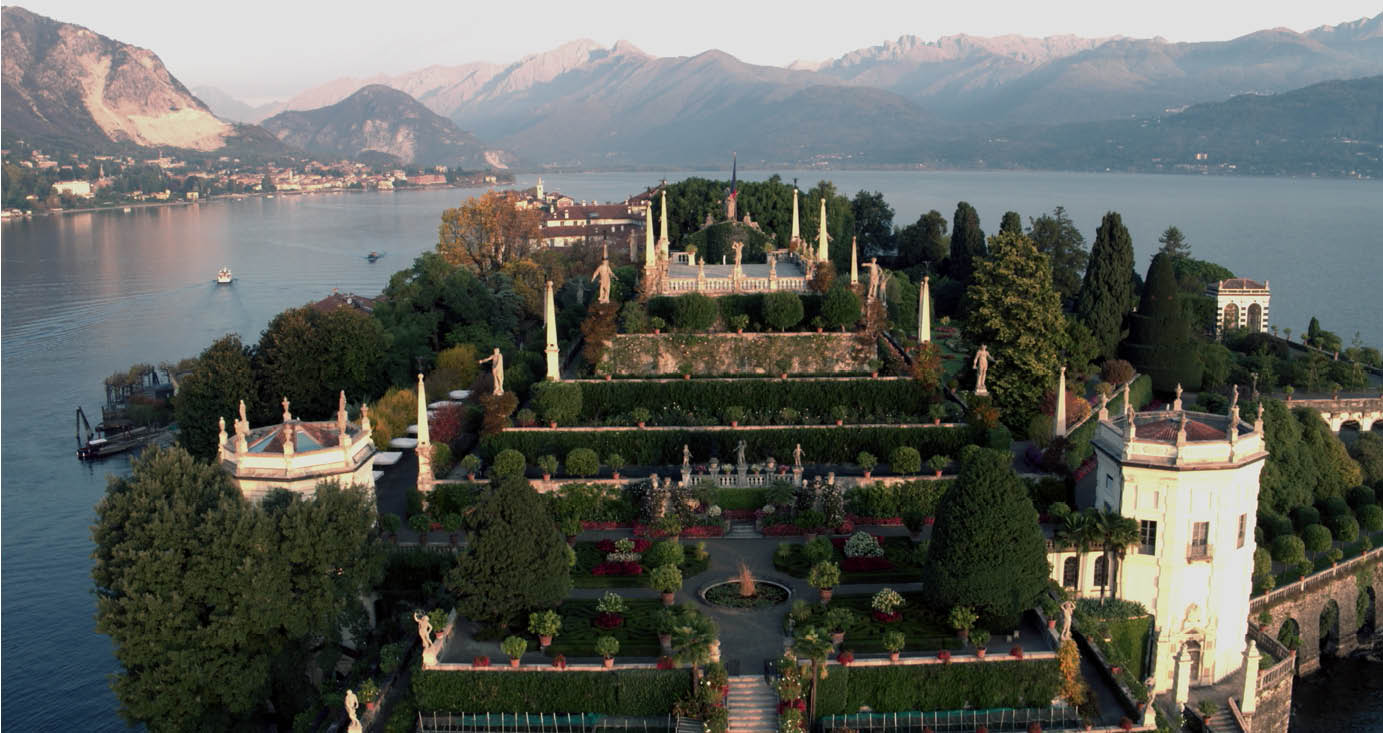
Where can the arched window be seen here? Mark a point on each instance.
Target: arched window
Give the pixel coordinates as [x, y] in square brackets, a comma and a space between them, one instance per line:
[1070, 572]
[1231, 318]
[1101, 571]
[1193, 653]
[1255, 317]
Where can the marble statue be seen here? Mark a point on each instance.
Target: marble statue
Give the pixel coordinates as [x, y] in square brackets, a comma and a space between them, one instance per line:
[686, 456]
[981, 363]
[1067, 608]
[797, 456]
[603, 274]
[496, 360]
[739, 251]
[739, 453]
[424, 628]
[875, 277]
[772, 267]
[352, 703]
[287, 416]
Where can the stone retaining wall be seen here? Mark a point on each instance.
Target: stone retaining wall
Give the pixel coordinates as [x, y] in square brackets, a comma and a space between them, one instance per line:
[647, 354]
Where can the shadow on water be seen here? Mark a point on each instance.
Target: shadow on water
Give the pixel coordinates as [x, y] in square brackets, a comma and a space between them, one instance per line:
[1345, 695]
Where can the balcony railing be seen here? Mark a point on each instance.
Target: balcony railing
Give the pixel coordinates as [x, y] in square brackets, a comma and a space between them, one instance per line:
[1198, 553]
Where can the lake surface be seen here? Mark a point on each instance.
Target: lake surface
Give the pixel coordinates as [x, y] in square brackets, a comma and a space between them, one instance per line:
[86, 295]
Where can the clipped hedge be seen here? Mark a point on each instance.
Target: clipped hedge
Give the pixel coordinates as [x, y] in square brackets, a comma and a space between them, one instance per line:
[1078, 441]
[664, 447]
[867, 396]
[618, 692]
[898, 688]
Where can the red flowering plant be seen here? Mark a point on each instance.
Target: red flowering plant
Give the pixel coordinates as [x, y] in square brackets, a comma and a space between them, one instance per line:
[944, 655]
[640, 544]
[845, 657]
[611, 608]
[666, 663]
[444, 424]
[617, 568]
[481, 661]
[560, 661]
[1016, 652]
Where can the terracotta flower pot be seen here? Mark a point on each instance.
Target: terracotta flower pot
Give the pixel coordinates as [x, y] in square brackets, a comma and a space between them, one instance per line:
[668, 598]
[818, 329]
[784, 375]
[657, 331]
[874, 375]
[1051, 623]
[370, 706]
[938, 474]
[641, 423]
[825, 595]
[980, 652]
[839, 423]
[936, 421]
[609, 663]
[837, 637]
[686, 376]
[734, 423]
[547, 477]
[514, 663]
[867, 474]
[616, 475]
[608, 377]
[739, 330]
[544, 640]
[470, 477]
[552, 424]
[893, 657]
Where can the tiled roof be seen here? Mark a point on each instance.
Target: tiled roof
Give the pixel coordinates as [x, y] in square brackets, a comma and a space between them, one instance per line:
[1241, 283]
[1166, 430]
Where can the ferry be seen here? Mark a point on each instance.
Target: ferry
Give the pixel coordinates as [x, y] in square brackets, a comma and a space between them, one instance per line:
[223, 276]
[117, 437]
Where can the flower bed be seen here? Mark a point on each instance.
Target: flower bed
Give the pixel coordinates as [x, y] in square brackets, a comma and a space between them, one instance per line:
[901, 566]
[898, 688]
[697, 530]
[922, 629]
[594, 569]
[617, 568]
[640, 545]
[637, 631]
[635, 692]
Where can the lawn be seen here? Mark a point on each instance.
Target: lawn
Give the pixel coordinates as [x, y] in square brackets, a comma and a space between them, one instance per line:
[638, 635]
[922, 629]
[588, 556]
[741, 498]
[898, 550]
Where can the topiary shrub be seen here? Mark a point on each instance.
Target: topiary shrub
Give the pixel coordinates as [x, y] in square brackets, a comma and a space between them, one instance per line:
[1274, 525]
[1289, 549]
[1346, 528]
[665, 552]
[558, 402]
[508, 462]
[840, 307]
[1316, 538]
[782, 310]
[905, 460]
[1371, 517]
[1116, 371]
[583, 462]
[1305, 516]
[1361, 496]
[694, 312]
[1335, 506]
[863, 544]
[818, 550]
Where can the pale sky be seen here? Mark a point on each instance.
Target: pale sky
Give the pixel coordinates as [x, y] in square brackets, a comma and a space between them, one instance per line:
[261, 49]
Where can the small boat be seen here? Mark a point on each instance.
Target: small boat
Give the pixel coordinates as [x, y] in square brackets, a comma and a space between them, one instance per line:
[127, 209]
[111, 440]
[223, 276]
[373, 255]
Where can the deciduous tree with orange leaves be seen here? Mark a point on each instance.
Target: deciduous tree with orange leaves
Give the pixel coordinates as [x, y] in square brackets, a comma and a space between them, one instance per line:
[487, 231]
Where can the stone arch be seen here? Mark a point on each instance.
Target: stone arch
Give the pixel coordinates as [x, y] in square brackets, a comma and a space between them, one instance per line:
[1255, 317]
[1231, 316]
[1328, 630]
[1368, 603]
[1070, 572]
[1289, 633]
[1101, 575]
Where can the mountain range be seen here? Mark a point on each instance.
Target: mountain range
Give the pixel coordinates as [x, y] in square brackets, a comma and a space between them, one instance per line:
[958, 100]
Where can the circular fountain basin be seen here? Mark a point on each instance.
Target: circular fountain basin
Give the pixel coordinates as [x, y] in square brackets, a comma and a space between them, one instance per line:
[726, 594]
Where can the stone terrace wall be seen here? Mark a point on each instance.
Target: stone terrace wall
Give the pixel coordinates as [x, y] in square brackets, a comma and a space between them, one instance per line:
[648, 354]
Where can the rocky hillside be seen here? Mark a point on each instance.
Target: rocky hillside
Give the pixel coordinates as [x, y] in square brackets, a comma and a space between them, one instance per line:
[381, 120]
[69, 86]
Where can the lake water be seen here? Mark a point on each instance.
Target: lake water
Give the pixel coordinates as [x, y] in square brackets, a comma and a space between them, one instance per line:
[89, 294]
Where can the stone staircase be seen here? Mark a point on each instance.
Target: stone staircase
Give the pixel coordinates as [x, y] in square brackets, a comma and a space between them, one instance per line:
[1222, 722]
[753, 705]
[742, 531]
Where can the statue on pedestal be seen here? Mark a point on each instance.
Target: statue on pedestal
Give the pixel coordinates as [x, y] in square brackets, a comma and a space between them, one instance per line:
[1067, 608]
[981, 363]
[739, 454]
[797, 456]
[603, 274]
[875, 278]
[686, 456]
[424, 628]
[496, 360]
[352, 703]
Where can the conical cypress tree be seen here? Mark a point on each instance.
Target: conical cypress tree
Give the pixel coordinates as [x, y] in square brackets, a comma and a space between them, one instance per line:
[1159, 342]
[967, 242]
[517, 561]
[1106, 293]
[987, 551]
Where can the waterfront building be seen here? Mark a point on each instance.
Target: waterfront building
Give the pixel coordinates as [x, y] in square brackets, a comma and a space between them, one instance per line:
[297, 455]
[1240, 303]
[1190, 481]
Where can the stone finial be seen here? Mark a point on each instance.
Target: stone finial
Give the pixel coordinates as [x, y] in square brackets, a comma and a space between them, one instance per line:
[287, 416]
[1104, 407]
[1176, 404]
[1131, 433]
[663, 243]
[243, 424]
[822, 251]
[1128, 401]
[854, 261]
[341, 413]
[924, 311]
[290, 440]
[221, 438]
[1181, 431]
[1258, 423]
[550, 317]
[365, 427]
[424, 437]
[648, 255]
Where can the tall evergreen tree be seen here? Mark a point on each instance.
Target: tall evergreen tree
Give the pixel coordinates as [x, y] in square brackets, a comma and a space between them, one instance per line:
[1106, 294]
[1159, 342]
[1012, 223]
[873, 223]
[1014, 309]
[221, 379]
[987, 551]
[1174, 243]
[924, 241]
[967, 242]
[310, 357]
[1057, 237]
[517, 561]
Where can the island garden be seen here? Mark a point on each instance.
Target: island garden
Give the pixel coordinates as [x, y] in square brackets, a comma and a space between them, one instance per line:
[649, 498]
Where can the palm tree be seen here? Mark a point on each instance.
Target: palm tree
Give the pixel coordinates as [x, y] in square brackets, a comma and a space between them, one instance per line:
[1077, 530]
[692, 639]
[1119, 533]
[813, 643]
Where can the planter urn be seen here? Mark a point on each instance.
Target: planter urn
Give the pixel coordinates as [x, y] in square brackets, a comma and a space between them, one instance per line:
[641, 423]
[938, 474]
[839, 423]
[734, 423]
[980, 652]
[552, 424]
[825, 595]
[608, 377]
[936, 421]
[547, 477]
[1051, 623]
[514, 663]
[609, 663]
[686, 376]
[893, 657]
[470, 477]
[544, 640]
[668, 598]
[616, 475]
[837, 637]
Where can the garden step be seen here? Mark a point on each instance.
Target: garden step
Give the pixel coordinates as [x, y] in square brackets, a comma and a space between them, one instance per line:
[752, 704]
